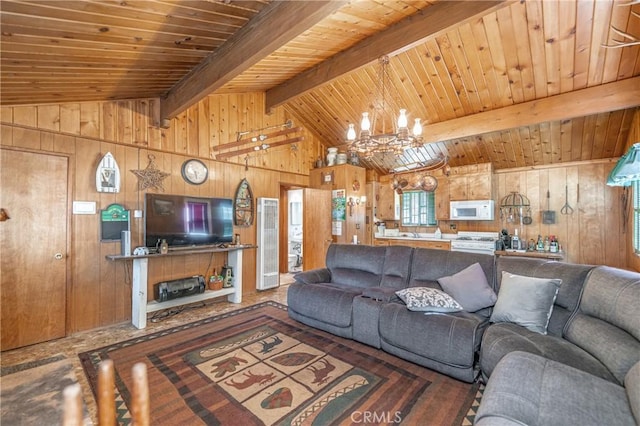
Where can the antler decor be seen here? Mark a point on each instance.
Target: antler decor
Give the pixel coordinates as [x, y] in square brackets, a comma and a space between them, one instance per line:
[621, 43]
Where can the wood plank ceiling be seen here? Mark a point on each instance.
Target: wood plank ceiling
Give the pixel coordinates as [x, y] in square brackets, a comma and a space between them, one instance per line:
[479, 77]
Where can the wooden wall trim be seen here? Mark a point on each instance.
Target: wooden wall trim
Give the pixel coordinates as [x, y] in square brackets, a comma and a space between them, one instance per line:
[561, 165]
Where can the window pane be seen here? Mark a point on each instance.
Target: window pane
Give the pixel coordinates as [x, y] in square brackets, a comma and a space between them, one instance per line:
[418, 208]
[636, 216]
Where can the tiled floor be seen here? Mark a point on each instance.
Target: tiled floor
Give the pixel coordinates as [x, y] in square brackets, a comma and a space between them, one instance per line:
[73, 345]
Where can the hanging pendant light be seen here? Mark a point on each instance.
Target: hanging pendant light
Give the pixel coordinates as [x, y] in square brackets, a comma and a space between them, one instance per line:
[375, 135]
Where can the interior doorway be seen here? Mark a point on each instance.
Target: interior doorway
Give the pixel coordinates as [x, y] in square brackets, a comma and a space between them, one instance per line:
[294, 230]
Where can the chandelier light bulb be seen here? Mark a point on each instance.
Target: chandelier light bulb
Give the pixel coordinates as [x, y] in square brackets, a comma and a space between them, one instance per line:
[365, 124]
[417, 128]
[351, 133]
[402, 119]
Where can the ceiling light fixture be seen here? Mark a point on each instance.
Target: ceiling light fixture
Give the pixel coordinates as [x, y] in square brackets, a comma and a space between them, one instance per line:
[379, 132]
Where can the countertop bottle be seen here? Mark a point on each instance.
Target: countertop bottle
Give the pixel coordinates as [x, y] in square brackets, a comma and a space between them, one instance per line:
[438, 233]
[515, 241]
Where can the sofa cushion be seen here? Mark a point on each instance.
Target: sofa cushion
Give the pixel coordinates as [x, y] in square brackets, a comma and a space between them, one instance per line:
[502, 338]
[572, 275]
[607, 324]
[397, 266]
[632, 386]
[425, 299]
[323, 302]
[429, 265]
[356, 265]
[448, 338]
[531, 390]
[526, 301]
[470, 288]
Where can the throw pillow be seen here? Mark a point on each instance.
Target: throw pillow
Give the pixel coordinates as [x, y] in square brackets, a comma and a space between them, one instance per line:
[425, 299]
[526, 301]
[470, 288]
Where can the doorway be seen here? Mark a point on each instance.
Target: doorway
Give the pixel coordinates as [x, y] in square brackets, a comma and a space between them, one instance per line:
[33, 287]
[295, 232]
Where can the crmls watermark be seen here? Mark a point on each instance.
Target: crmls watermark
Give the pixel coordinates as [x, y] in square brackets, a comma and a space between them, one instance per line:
[384, 417]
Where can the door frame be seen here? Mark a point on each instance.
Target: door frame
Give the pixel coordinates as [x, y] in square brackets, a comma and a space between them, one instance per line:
[68, 239]
[283, 237]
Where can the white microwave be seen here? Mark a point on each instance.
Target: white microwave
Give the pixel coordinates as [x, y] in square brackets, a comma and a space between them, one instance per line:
[471, 210]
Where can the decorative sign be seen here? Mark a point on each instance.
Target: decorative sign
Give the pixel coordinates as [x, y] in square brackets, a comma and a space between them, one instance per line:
[108, 175]
[243, 205]
[150, 177]
[113, 220]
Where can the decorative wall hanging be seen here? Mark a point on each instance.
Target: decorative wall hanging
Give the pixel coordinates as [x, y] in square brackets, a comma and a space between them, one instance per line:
[263, 140]
[327, 178]
[243, 205]
[108, 174]
[150, 177]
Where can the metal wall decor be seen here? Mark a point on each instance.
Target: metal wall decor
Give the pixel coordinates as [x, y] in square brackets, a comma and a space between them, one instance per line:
[243, 205]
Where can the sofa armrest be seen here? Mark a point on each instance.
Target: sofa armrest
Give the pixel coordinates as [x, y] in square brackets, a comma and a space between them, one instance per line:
[314, 276]
[381, 293]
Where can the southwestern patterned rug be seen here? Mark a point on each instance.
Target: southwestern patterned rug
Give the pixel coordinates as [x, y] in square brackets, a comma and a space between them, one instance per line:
[256, 366]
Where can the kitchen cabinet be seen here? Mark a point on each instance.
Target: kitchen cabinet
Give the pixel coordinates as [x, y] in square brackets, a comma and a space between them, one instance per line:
[388, 202]
[442, 199]
[476, 186]
[431, 244]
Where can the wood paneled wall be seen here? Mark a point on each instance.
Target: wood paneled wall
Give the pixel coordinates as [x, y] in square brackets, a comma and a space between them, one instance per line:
[99, 290]
[593, 234]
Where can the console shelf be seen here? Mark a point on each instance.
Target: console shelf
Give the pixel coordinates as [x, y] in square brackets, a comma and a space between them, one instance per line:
[140, 305]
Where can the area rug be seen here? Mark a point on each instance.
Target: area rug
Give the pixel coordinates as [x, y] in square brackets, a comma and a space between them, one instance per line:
[31, 392]
[256, 366]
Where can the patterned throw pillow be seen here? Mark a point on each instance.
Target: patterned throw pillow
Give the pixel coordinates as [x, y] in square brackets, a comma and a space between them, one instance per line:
[425, 299]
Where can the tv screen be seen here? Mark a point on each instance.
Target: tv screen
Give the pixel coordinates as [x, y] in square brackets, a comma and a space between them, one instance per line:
[183, 220]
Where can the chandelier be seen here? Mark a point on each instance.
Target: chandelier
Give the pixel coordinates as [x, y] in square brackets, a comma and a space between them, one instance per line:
[394, 135]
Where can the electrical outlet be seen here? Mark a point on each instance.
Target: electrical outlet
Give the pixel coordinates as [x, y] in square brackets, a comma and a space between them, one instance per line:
[452, 226]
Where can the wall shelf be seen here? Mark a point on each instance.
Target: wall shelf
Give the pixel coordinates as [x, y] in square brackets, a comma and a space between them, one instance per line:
[140, 305]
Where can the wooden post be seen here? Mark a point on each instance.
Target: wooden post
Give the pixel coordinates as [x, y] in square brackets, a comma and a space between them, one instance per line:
[140, 395]
[106, 394]
[72, 405]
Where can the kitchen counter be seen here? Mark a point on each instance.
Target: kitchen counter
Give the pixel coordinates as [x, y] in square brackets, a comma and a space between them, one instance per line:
[420, 237]
[538, 254]
[421, 241]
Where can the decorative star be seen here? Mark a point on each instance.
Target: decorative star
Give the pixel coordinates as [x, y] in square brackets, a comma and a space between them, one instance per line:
[150, 177]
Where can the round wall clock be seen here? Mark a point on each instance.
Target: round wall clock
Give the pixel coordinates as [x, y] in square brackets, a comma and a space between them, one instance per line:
[194, 171]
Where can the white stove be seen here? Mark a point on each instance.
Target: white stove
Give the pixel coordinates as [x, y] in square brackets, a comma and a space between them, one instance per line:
[475, 242]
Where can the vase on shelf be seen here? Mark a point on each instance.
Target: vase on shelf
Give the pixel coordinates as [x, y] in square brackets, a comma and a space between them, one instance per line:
[331, 156]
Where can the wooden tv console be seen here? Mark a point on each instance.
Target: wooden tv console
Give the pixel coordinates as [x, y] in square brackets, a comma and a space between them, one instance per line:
[141, 306]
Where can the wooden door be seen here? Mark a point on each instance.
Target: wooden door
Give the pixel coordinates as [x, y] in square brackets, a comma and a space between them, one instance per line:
[316, 225]
[34, 248]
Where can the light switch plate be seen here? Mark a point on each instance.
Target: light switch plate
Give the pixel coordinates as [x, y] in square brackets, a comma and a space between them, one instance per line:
[84, 207]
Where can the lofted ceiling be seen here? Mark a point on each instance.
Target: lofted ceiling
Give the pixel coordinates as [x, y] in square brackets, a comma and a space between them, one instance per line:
[514, 83]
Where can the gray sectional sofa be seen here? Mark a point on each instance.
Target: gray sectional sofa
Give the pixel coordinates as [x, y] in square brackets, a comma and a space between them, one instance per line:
[542, 366]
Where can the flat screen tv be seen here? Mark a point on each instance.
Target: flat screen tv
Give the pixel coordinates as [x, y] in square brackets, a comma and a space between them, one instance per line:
[185, 221]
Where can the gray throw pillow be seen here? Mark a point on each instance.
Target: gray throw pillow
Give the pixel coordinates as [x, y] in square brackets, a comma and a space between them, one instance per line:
[526, 301]
[470, 288]
[425, 299]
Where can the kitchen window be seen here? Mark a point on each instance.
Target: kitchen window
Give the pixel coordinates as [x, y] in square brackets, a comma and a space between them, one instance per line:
[418, 208]
[636, 216]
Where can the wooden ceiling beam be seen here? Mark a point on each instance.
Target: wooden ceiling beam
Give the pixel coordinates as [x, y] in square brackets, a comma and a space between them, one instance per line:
[273, 27]
[593, 100]
[398, 38]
